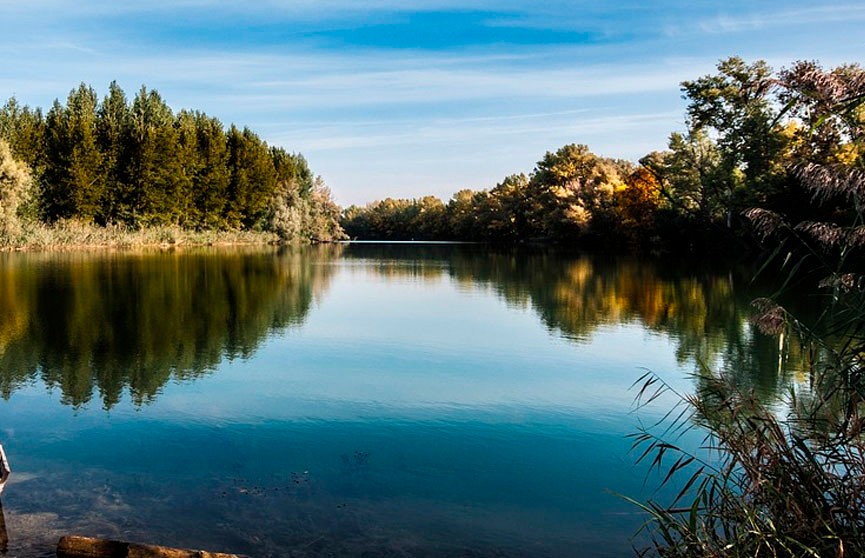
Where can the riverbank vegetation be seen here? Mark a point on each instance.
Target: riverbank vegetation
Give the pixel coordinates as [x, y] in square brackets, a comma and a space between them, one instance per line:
[749, 129]
[785, 479]
[118, 172]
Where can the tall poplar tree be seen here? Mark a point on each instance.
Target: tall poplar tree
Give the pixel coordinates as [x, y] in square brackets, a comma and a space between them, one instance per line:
[189, 163]
[113, 124]
[73, 183]
[253, 180]
[154, 169]
[210, 185]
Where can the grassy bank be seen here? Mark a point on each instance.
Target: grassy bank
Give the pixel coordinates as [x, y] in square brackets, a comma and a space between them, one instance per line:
[74, 235]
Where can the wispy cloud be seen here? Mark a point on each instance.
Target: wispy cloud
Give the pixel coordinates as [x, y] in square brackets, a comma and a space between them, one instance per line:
[783, 17]
[437, 85]
[371, 78]
[471, 131]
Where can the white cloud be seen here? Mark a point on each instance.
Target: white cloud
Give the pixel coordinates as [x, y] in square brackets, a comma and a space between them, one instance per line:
[316, 80]
[811, 16]
[469, 131]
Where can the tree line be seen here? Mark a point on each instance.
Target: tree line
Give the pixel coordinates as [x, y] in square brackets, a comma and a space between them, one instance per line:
[140, 164]
[749, 133]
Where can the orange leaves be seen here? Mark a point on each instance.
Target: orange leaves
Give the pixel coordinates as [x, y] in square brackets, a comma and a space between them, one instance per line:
[639, 199]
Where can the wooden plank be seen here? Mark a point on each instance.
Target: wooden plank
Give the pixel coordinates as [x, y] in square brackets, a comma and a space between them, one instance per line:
[89, 547]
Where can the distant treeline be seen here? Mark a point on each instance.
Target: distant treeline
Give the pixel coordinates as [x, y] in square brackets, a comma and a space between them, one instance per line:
[751, 133]
[140, 164]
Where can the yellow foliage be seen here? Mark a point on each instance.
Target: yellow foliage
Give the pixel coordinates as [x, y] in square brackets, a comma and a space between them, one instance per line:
[638, 198]
[15, 186]
[847, 154]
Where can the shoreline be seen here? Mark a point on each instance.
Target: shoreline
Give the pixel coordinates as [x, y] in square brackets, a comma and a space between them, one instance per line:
[73, 236]
[134, 246]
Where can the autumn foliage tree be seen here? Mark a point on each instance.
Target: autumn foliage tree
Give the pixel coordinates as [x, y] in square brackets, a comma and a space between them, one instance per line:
[15, 194]
[569, 189]
[637, 202]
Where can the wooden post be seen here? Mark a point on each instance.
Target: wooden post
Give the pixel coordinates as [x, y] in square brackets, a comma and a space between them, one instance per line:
[87, 547]
[4, 538]
[5, 471]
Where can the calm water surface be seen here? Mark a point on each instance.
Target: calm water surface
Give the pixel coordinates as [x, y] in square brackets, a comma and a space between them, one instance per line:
[359, 400]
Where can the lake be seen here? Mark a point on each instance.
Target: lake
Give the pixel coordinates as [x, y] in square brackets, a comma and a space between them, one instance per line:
[349, 400]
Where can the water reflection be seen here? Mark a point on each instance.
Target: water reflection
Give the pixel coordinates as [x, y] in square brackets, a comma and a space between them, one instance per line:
[705, 309]
[107, 322]
[401, 400]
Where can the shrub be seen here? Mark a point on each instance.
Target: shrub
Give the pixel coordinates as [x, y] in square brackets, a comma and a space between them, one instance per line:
[16, 193]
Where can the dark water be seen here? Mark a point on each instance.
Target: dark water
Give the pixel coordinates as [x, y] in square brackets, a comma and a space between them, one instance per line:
[360, 400]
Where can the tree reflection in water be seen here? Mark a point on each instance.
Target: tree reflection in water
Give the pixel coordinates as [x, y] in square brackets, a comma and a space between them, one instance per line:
[111, 321]
[106, 322]
[705, 309]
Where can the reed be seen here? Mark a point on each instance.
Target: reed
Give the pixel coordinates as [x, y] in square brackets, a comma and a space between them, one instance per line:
[764, 481]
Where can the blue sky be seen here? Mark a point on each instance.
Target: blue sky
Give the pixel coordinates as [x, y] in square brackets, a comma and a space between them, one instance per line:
[401, 98]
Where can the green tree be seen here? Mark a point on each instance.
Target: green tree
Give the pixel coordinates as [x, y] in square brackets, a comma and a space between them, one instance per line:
[429, 219]
[113, 125]
[692, 177]
[738, 106]
[511, 198]
[210, 184]
[154, 170]
[355, 222]
[73, 183]
[189, 161]
[23, 129]
[293, 167]
[461, 215]
[253, 180]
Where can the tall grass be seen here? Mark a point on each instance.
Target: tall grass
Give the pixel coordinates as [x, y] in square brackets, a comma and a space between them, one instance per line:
[764, 482]
[71, 234]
